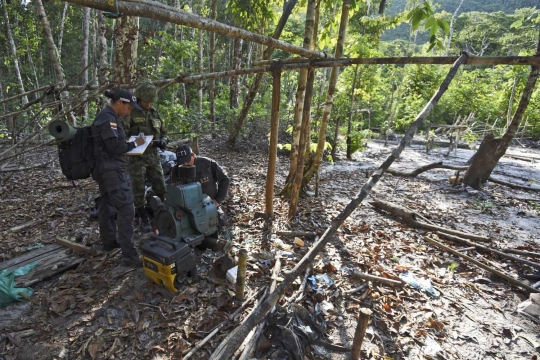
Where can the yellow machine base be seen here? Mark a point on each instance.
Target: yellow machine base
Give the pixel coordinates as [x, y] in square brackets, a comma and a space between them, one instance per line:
[159, 273]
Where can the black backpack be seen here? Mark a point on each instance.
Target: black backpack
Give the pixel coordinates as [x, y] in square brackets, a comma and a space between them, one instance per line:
[77, 155]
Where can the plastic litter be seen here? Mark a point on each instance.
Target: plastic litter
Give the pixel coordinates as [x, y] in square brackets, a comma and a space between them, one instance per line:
[231, 274]
[530, 306]
[9, 293]
[324, 281]
[419, 283]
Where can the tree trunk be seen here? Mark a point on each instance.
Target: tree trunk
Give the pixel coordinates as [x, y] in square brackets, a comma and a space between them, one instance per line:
[84, 59]
[61, 33]
[272, 151]
[14, 54]
[492, 149]
[237, 61]
[212, 84]
[295, 178]
[103, 64]
[330, 95]
[248, 101]
[53, 52]
[126, 35]
[452, 28]
[351, 112]
[195, 140]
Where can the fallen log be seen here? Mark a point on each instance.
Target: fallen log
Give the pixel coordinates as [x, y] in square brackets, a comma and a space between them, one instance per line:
[481, 265]
[421, 169]
[488, 249]
[410, 217]
[225, 350]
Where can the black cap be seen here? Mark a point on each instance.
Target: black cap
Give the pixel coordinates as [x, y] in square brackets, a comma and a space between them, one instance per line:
[183, 154]
[126, 96]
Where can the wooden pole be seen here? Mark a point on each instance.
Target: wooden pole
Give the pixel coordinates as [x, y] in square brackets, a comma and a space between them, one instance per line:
[225, 351]
[482, 265]
[360, 332]
[425, 60]
[522, 252]
[155, 10]
[241, 276]
[272, 151]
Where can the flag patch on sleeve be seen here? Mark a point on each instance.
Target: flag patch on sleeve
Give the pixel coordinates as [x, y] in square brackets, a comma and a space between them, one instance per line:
[114, 126]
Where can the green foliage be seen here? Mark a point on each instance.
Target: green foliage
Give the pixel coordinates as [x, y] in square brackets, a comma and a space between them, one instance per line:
[423, 13]
[359, 139]
[252, 15]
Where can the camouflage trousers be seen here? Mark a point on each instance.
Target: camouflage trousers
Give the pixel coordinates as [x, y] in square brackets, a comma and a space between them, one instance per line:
[146, 166]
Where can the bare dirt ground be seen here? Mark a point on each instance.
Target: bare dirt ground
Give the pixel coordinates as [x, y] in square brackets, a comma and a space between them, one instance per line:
[103, 310]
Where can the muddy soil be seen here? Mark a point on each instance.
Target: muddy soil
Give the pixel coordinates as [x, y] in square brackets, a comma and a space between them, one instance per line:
[103, 310]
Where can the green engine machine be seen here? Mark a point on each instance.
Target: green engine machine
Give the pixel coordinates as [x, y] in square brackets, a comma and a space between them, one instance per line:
[183, 221]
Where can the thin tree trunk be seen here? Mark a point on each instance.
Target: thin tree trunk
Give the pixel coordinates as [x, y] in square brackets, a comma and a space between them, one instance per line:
[61, 33]
[235, 339]
[125, 52]
[272, 151]
[492, 149]
[53, 52]
[511, 102]
[32, 65]
[160, 47]
[103, 68]
[351, 111]
[84, 59]
[195, 141]
[330, 95]
[248, 101]
[454, 16]
[237, 62]
[295, 179]
[212, 84]
[14, 54]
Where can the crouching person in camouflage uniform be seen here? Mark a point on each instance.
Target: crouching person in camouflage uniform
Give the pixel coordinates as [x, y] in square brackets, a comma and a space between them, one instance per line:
[147, 121]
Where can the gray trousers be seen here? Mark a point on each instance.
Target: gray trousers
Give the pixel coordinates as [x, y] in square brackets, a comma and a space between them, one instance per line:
[116, 211]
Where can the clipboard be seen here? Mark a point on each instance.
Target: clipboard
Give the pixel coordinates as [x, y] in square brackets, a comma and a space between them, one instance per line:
[139, 150]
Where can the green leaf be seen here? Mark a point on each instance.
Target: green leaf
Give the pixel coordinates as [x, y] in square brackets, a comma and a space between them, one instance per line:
[517, 24]
[430, 22]
[443, 24]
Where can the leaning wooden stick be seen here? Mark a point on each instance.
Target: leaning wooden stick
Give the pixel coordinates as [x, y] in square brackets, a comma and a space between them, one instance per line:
[410, 217]
[481, 265]
[225, 350]
[488, 249]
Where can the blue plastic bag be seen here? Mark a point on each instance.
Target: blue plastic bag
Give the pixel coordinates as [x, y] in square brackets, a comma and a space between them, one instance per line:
[9, 293]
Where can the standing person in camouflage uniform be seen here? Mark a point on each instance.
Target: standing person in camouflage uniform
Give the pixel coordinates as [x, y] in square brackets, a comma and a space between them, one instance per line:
[147, 121]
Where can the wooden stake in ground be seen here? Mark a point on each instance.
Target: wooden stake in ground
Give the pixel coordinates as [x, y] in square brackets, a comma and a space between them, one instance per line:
[272, 150]
[360, 332]
[225, 351]
[241, 274]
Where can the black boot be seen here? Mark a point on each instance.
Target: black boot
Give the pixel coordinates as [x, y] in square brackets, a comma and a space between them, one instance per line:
[143, 217]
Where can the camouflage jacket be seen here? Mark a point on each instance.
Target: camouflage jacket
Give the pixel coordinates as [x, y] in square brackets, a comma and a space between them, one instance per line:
[145, 121]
